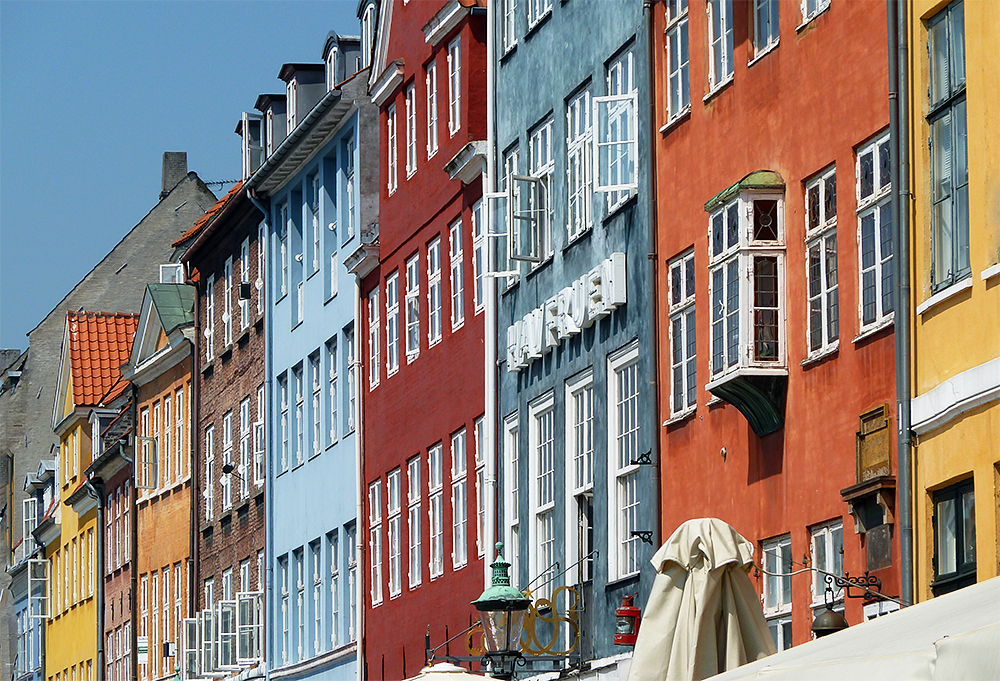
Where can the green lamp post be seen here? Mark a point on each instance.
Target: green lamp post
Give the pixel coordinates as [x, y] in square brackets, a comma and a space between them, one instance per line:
[502, 610]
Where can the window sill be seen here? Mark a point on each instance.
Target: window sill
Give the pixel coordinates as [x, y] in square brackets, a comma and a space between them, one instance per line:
[990, 272]
[621, 581]
[682, 416]
[227, 352]
[208, 367]
[242, 335]
[478, 310]
[820, 355]
[872, 330]
[767, 50]
[713, 400]
[674, 121]
[315, 453]
[410, 359]
[508, 51]
[458, 326]
[944, 295]
[717, 89]
[410, 173]
[533, 26]
[618, 207]
[433, 342]
[576, 237]
[809, 20]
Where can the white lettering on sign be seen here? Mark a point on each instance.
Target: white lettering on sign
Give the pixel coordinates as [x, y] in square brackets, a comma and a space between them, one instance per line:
[567, 313]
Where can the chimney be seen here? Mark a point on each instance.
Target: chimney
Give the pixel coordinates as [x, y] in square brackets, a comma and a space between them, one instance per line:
[175, 168]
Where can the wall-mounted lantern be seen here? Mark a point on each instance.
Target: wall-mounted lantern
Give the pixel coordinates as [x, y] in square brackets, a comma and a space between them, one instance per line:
[627, 619]
[502, 610]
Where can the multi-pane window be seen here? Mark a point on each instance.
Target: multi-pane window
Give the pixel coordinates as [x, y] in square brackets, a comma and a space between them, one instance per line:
[811, 8]
[435, 511]
[457, 276]
[316, 407]
[580, 464]
[349, 177]
[765, 25]
[300, 603]
[285, 608]
[683, 348]
[778, 590]
[333, 546]
[352, 580]
[180, 444]
[210, 318]
[821, 262]
[875, 233]
[411, 130]
[412, 308]
[244, 279]
[261, 241]
[954, 537]
[528, 203]
[209, 492]
[623, 379]
[720, 36]
[459, 501]
[313, 189]
[946, 117]
[374, 341]
[827, 547]
[480, 460]
[246, 429]
[578, 164]
[317, 596]
[352, 379]
[166, 450]
[537, 10]
[511, 450]
[331, 388]
[283, 398]
[510, 229]
[542, 543]
[227, 459]
[678, 68]
[394, 527]
[508, 25]
[430, 80]
[259, 440]
[392, 323]
[375, 539]
[454, 85]
[390, 122]
[413, 518]
[299, 424]
[434, 291]
[616, 141]
[227, 314]
[479, 255]
[283, 248]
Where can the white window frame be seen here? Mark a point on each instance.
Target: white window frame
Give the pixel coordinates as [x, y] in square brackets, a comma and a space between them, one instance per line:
[766, 30]
[875, 218]
[579, 165]
[391, 149]
[375, 540]
[180, 443]
[316, 561]
[283, 253]
[435, 510]
[430, 82]
[412, 309]
[210, 318]
[529, 208]
[333, 546]
[414, 494]
[260, 441]
[812, 8]
[511, 452]
[317, 403]
[580, 458]
[777, 590]
[479, 457]
[826, 545]
[352, 379]
[313, 188]
[678, 48]
[822, 275]
[246, 430]
[259, 283]
[394, 527]
[479, 264]
[624, 442]
[434, 292]
[411, 130]
[537, 10]
[298, 425]
[374, 340]
[616, 130]
[459, 501]
[455, 85]
[508, 25]
[167, 432]
[543, 551]
[392, 323]
[681, 292]
[285, 608]
[38, 588]
[283, 403]
[209, 492]
[720, 43]
[332, 392]
[457, 274]
[227, 314]
[225, 616]
[349, 180]
[249, 628]
[225, 480]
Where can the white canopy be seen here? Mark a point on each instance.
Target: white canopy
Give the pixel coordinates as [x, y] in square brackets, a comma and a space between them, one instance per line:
[956, 636]
[703, 615]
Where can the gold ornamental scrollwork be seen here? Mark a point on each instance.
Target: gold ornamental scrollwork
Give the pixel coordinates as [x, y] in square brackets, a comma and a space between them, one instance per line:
[543, 611]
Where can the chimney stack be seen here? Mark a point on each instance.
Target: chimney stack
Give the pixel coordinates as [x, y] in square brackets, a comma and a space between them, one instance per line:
[175, 168]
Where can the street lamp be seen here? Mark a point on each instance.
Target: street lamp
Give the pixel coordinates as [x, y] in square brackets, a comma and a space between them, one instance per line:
[502, 611]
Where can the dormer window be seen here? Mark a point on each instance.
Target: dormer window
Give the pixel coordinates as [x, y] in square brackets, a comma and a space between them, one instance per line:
[331, 69]
[291, 117]
[746, 241]
[269, 130]
[253, 143]
[367, 34]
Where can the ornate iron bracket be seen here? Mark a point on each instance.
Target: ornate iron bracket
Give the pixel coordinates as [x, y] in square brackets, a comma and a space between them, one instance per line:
[643, 535]
[644, 459]
[870, 586]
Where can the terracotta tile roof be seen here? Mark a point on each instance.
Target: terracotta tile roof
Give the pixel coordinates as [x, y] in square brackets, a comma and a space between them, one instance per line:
[99, 343]
[207, 217]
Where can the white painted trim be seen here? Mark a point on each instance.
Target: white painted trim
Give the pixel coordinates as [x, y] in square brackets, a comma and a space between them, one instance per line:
[441, 24]
[953, 397]
[944, 295]
[387, 82]
[991, 271]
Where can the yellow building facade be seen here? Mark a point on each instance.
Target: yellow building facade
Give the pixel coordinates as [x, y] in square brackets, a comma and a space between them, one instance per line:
[955, 291]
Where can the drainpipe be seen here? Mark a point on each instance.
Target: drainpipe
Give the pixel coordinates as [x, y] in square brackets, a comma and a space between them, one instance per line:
[491, 417]
[95, 490]
[134, 553]
[654, 412]
[900, 178]
[194, 550]
[355, 370]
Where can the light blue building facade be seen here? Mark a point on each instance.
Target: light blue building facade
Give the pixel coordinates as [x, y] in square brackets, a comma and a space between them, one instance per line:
[575, 338]
[315, 189]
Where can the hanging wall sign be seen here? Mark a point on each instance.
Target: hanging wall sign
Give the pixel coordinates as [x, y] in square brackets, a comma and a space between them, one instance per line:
[574, 308]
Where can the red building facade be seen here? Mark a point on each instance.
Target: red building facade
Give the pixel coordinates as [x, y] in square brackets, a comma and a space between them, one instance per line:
[421, 338]
[776, 381]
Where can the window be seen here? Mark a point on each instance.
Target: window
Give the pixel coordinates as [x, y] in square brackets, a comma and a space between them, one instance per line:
[875, 234]
[299, 424]
[313, 189]
[578, 164]
[374, 341]
[509, 25]
[435, 512]
[392, 324]
[454, 85]
[210, 318]
[812, 8]
[412, 308]
[413, 518]
[180, 443]
[430, 80]
[746, 242]
[479, 255]
[434, 291]
[349, 172]
[285, 604]
[678, 77]
[300, 603]
[209, 492]
[683, 325]
[352, 378]
[391, 147]
[259, 440]
[543, 570]
[457, 276]
[394, 527]
[166, 450]
[459, 501]
[528, 205]
[537, 10]
[765, 25]
[352, 580]
[317, 597]
[411, 130]
[331, 388]
[334, 548]
[580, 464]
[283, 247]
[510, 229]
[29, 518]
[827, 549]
[375, 539]
[616, 145]
[245, 433]
[317, 399]
[227, 460]
[623, 440]
[261, 241]
[821, 263]
[720, 42]
[946, 117]
[227, 314]
[778, 590]
[954, 537]
[480, 460]
[367, 35]
[283, 396]
[291, 88]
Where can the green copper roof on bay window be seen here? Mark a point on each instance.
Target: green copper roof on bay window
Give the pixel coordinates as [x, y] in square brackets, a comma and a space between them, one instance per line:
[759, 179]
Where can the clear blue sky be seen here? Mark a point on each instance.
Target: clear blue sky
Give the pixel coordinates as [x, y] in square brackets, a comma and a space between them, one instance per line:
[93, 93]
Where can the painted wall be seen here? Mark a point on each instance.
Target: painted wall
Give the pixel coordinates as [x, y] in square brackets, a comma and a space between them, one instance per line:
[955, 350]
[805, 105]
[564, 53]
